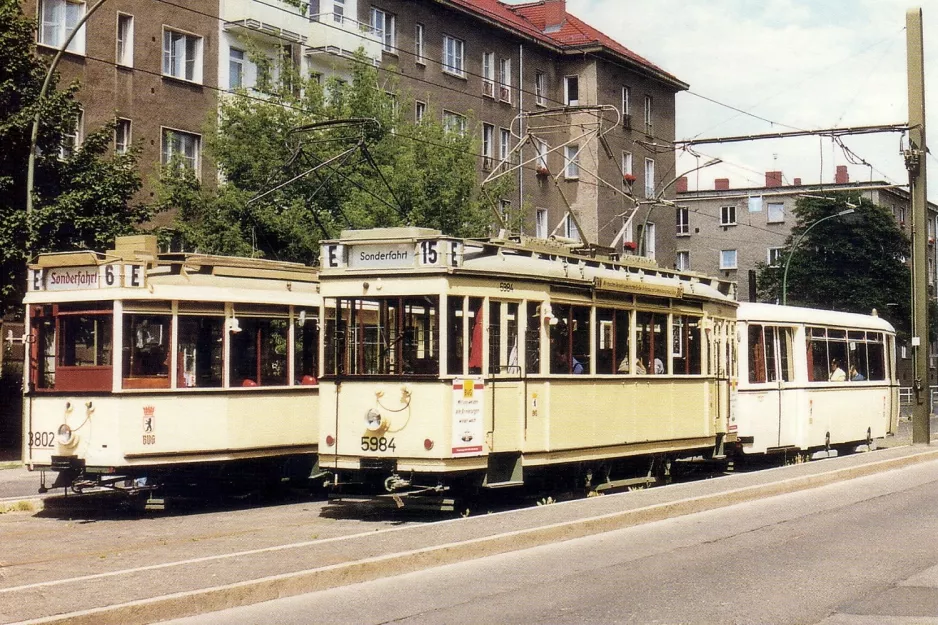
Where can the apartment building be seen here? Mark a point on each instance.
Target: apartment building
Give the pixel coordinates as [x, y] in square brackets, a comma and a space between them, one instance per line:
[159, 67]
[479, 64]
[149, 64]
[727, 231]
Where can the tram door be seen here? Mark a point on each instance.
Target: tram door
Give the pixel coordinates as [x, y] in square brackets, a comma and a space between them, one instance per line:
[771, 366]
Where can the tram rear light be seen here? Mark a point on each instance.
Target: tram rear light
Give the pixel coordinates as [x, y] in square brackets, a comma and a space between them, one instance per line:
[330, 441]
[428, 444]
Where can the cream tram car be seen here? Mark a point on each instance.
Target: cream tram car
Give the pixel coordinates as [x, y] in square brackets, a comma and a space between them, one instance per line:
[143, 366]
[813, 379]
[471, 364]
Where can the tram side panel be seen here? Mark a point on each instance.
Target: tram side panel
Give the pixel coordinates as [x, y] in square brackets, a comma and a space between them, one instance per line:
[128, 430]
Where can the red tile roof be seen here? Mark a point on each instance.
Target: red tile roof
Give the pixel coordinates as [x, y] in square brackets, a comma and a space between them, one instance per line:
[574, 33]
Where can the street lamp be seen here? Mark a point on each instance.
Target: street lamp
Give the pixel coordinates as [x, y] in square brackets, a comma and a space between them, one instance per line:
[795, 245]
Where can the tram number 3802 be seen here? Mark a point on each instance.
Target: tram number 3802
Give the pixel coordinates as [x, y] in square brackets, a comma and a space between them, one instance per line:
[375, 443]
[41, 439]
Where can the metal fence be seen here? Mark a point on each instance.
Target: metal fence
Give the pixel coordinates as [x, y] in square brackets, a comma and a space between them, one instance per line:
[905, 395]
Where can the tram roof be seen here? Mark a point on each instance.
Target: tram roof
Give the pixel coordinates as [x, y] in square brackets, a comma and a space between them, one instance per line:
[754, 312]
[555, 260]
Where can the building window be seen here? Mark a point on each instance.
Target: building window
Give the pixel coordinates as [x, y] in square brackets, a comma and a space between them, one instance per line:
[540, 223]
[649, 128]
[488, 74]
[235, 68]
[488, 150]
[122, 136]
[728, 259]
[384, 26]
[776, 213]
[540, 89]
[58, 19]
[418, 45]
[541, 156]
[338, 10]
[420, 109]
[504, 146]
[454, 122]
[570, 229]
[649, 178]
[728, 215]
[647, 233]
[682, 261]
[183, 148]
[774, 256]
[571, 159]
[182, 56]
[626, 164]
[453, 60]
[125, 40]
[71, 138]
[504, 80]
[626, 107]
[571, 90]
[683, 220]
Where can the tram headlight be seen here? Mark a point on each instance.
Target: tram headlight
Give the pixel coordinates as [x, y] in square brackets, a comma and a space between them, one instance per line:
[374, 421]
[65, 436]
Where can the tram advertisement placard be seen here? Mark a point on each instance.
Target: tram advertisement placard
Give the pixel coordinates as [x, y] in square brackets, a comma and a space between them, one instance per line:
[468, 410]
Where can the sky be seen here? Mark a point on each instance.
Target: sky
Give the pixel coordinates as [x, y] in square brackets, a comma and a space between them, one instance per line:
[800, 64]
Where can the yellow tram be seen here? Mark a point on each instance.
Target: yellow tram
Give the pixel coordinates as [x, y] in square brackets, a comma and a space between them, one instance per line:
[470, 364]
[142, 366]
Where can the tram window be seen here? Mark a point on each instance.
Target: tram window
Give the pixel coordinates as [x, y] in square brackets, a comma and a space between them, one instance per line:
[532, 338]
[570, 339]
[258, 353]
[877, 356]
[784, 354]
[201, 349]
[612, 341]
[475, 322]
[146, 350]
[496, 365]
[454, 328]
[817, 355]
[391, 336]
[757, 373]
[73, 350]
[686, 347]
[837, 349]
[306, 348]
[511, 342]
[651, 333]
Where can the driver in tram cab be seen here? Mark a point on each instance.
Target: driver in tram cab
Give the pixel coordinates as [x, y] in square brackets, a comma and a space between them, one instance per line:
[837, 374]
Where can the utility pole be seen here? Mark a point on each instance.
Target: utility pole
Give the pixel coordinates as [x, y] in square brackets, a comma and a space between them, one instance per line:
[915, 164]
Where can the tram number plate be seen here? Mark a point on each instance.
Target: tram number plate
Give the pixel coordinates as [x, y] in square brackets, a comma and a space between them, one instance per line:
[376, 443]
[42, 439]
[149, 439]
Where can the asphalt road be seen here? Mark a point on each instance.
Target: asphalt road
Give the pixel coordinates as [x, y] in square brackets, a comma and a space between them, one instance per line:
[861, 551]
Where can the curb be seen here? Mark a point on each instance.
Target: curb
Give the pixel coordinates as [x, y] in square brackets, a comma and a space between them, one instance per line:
[249, 592]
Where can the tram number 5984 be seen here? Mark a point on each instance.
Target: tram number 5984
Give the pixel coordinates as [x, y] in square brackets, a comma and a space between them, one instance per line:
[376, 443]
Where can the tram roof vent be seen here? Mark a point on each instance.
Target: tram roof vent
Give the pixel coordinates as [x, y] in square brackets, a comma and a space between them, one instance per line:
[135, 247]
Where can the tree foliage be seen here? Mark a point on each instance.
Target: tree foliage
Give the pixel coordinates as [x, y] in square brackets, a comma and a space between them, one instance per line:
[854, 262]
[301, 161]
[79, 202]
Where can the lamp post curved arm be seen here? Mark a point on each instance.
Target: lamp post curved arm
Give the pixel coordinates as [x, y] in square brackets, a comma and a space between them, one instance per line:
[34, 135]
[794, 246]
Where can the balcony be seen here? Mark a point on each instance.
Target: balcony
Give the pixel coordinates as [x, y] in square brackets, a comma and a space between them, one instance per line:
[343, 35]
[272, 20]
[279, 22]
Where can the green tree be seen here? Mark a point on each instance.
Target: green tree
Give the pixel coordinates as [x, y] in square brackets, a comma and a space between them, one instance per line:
[304, 161]
[80, 202]
[853, 263]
